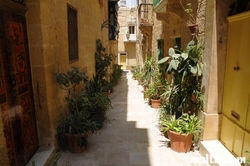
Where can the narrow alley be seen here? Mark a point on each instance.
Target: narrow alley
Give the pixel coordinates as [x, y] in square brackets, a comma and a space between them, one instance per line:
[131, 138]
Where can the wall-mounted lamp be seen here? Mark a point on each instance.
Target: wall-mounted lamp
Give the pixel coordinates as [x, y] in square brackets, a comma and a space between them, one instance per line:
[127, 35]
[113, 26]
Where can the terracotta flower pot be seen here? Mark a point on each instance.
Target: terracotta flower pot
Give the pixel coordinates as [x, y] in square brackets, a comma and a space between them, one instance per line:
[192, 28]
[180, 142]
[73, 142]
[155, 103]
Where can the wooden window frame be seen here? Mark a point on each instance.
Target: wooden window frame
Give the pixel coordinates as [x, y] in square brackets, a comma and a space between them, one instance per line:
[72, 20]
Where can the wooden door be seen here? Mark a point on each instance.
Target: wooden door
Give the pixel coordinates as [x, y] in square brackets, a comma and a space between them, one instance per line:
[16, 96]
[236, 97]
[237, 79]
[123, 59]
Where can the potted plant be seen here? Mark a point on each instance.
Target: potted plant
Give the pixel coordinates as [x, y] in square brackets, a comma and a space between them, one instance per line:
[135, 70]
[186, 70]
[191, 23]
[75, 126]
[184, 94]
[182, 131]
[74, 130]
[148, 69]
[156, 89]
[102, 63]
[139, 76]
[99, 102]
[116, 74]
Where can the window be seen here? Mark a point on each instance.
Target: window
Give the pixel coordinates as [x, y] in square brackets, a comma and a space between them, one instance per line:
[131, 29]
[72, 34]
[160, 49]
[177, 43]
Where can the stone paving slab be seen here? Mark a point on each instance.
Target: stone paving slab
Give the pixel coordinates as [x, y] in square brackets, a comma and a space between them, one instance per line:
[132, 138]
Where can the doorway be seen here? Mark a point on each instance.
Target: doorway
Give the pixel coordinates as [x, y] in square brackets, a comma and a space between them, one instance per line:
[122, 60]
[16, 96]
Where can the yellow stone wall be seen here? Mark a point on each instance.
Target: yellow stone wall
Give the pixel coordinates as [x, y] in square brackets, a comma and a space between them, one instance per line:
[48, 47]
[127, 16]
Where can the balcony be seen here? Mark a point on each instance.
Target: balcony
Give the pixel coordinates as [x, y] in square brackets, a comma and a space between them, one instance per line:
[145, 15]
[131, 38]
[160, 6]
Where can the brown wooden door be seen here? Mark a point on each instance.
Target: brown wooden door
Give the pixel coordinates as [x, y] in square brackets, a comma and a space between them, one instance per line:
[16, 96]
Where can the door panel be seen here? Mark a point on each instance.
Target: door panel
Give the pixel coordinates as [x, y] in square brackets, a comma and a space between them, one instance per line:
[16, 96]
[246, 146]
[123, 58]
[238, 140]
[227, 137]
[236, 97]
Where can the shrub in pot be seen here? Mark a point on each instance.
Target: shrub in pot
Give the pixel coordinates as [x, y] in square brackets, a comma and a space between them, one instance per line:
[116, 74]
[182, 131]
[186, 71]
[99, 102]
[75, 126]
[185, 68]
[102, 64]
[148, 69]
[74, 130]
[135, 70]
[156, 89]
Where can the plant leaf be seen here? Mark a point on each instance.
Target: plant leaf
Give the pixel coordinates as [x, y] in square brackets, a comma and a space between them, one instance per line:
[184, 56]
[193, 69]
[174, 64]
[163, 60]
[171, 51]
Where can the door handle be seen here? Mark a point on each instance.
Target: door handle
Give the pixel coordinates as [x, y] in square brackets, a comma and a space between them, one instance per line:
[236, 68]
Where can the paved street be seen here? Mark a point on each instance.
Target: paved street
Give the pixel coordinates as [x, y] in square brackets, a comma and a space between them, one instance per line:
[131, 138]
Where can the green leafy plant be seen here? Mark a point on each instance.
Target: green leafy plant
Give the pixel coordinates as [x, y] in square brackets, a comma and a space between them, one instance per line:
[69, 81]
[186, 68]
[135, 70]
[116, 74]
[76, 119]
[185, 124]
[102, 63]
[148, 69]
[189, 10]
[139, 76]
[157, 87]
[99, 101]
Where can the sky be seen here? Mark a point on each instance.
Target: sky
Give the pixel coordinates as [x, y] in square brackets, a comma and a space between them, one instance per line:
[131, 3]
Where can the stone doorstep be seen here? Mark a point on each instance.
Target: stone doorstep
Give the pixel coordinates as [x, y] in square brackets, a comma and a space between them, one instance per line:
[218, 151]
[42, 156]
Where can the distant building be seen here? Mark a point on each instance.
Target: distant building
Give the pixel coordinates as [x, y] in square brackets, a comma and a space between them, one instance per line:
[127, 36]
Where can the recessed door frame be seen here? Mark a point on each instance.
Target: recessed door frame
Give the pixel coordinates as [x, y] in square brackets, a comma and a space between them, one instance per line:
[119, 58]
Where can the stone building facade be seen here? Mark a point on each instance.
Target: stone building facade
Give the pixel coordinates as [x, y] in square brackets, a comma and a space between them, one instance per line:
[214, 20]
[127, 36]
[43, 37]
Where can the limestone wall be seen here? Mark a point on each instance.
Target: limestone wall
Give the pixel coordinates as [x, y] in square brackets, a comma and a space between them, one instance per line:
[48, 47]
[126, 17]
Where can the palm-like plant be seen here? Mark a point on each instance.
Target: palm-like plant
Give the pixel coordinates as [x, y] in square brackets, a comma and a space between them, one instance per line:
[185, 124]
[186, 70]
[158, 85]
[148, 69]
